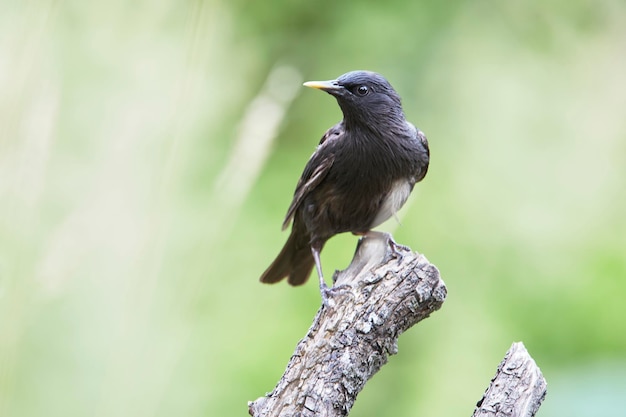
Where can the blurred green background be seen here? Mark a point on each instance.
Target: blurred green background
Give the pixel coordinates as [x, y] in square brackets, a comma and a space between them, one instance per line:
[149, 150]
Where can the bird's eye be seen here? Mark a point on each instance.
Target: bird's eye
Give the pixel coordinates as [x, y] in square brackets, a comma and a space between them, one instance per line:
[362, 90]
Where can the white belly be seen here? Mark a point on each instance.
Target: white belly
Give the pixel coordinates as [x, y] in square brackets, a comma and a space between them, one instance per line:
[400, 191]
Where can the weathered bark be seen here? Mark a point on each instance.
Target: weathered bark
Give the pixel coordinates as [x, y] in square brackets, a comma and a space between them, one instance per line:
[385, 290]
[517, 389]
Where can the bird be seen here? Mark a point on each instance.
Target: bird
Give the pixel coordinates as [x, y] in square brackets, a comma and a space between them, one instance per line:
[360, 175]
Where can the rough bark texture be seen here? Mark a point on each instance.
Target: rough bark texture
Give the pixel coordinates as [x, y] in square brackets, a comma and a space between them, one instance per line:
[518, 388]
[385, 290]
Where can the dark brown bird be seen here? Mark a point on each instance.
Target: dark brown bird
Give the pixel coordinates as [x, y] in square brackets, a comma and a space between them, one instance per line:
[361, 173]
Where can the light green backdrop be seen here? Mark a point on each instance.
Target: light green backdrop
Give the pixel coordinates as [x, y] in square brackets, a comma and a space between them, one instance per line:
[149, 150]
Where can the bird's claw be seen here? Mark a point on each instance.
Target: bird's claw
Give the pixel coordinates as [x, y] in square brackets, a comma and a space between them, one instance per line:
[326, 294]
[397, 249]
[329, 293]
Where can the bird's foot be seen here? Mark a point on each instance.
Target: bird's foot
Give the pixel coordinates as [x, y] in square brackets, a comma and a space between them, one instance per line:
[326, 294]
[396, 248]
[330, 293]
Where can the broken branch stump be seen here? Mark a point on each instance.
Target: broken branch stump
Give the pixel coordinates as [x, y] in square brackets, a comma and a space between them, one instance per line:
[517, 389]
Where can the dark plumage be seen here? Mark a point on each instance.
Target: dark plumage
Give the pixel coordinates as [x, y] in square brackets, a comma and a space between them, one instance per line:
[361, 173]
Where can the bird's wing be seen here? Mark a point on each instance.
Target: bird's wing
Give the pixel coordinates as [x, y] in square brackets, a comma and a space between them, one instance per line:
[424, 142]
[420, 137]
[314, 172]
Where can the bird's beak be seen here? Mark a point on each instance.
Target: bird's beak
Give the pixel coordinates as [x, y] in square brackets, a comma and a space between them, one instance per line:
[328, 86]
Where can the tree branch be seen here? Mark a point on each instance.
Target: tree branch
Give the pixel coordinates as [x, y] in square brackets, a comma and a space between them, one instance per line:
[385, 290]
[517, 389]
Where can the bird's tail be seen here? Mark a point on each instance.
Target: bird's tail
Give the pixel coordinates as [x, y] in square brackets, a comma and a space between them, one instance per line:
[295, 260]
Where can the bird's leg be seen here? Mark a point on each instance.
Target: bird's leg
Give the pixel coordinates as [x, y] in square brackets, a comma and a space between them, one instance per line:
[396, 248]
[324, 290]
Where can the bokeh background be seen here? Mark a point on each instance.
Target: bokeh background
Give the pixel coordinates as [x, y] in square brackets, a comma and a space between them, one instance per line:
[149, 150]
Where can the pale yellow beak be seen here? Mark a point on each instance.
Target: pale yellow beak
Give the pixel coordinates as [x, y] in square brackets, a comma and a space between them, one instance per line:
[323, 85]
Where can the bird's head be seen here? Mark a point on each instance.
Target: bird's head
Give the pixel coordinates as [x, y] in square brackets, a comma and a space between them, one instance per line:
[364, 97]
